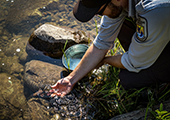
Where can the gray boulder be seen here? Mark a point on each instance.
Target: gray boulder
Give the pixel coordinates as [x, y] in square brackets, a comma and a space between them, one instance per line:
[51, 39]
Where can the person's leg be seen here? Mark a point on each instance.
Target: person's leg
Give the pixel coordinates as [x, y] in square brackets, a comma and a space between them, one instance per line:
[136, 80]
[161, 67]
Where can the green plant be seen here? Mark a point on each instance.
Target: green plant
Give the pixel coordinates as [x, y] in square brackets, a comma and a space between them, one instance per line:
[96, 26]
[163, 96]
[151, 102]
[161, 114]
[117, 49]
[112, 97]
[63, 50]
[117, 100]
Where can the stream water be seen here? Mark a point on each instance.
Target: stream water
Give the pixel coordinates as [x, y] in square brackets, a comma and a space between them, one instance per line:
[18, 19]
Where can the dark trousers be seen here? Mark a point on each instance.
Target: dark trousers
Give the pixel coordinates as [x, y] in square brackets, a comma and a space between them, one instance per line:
[159, 72]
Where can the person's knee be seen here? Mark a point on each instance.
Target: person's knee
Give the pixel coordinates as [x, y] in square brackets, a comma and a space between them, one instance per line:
[124, 81]
[131, 80]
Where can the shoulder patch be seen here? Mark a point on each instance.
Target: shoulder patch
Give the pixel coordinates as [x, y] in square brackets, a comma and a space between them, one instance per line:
[141, 29]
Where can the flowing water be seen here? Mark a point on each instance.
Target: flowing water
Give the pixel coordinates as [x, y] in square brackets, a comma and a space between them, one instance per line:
[18, 19]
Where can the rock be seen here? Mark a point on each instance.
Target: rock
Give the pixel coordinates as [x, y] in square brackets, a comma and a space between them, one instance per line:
[33, 53]
[37, 109]
[140, 114]
[18, 43]
[18, 19]
[27, 15]
[51, 6]
[5, 37]
[51, 39]
[69, 106]
[12, 99]
[10, 65]
[38, 74]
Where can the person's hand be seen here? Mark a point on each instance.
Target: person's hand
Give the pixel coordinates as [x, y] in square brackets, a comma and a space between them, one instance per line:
[62, 87]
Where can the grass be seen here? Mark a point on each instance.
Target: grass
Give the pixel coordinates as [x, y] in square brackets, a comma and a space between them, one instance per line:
[121, 101]
[114, 100]
[67, 60]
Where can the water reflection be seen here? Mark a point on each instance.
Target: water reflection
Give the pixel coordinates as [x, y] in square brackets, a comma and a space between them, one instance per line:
[18, 19]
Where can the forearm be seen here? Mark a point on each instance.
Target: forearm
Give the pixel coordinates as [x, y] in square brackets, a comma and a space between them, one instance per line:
[114, 61]
[90, 60]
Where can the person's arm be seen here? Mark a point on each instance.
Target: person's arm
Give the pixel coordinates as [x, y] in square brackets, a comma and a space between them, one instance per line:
[95, 54]
[150, 39]
[114, 61]
[90, 60]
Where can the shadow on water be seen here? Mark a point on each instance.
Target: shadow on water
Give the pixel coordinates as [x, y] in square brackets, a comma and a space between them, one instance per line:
[34, 54]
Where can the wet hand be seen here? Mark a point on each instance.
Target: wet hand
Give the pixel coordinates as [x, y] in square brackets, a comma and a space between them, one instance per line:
[61, 88]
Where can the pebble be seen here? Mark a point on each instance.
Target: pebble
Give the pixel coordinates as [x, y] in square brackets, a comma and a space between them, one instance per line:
[5, 37]
[57, 116]
[18, 50]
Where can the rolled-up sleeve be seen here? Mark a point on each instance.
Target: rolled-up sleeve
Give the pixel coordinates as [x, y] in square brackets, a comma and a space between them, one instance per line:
[143, 54]
[108, 31]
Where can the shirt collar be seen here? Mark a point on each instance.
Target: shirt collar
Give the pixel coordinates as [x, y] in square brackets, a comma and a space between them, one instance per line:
[132, 11]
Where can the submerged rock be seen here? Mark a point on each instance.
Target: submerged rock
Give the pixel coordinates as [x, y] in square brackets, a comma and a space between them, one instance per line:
[51, 39]
[12, 99]
[38, 74]
[37, 109]
[23, 15]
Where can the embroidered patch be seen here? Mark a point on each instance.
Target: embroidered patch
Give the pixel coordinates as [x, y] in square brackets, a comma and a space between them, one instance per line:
[141, 29]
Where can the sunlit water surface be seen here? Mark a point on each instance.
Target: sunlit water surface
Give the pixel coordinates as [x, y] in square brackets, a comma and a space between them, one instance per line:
[18, 19]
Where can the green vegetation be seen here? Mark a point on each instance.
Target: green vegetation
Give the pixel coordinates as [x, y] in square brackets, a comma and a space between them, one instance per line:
[161, 114]
[114, 100]
[67, 60]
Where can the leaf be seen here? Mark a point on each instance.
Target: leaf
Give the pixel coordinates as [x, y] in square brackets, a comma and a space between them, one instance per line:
[153, 113]
[163, 112]
[65, 45]
[166, 116]
[158, 112]
[161, 107]
[164, 95]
